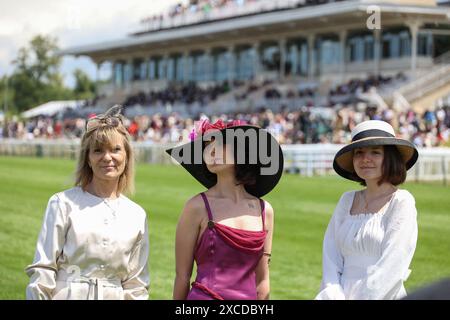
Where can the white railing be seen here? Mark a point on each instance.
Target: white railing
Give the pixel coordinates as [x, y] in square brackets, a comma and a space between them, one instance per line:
[307, 160]
[69, 149]
[310, 160]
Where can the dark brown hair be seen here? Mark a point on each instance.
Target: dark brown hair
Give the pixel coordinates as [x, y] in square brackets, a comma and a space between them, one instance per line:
[393, 168]
[246, 174]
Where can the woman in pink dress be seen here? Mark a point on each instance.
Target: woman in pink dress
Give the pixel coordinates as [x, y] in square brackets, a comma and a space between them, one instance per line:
[227, 230]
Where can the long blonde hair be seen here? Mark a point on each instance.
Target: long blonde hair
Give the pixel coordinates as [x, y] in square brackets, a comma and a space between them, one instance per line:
[101, 136]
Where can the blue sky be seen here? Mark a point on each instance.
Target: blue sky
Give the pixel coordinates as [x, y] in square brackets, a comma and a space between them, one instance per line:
[73, 22]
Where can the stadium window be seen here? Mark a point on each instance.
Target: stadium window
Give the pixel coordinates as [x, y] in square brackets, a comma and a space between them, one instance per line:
[386, 46]
[170, 68]
[360, 49]
[297, 56]
[199, 66]
[151, 69]
[232, 60]
[162, 70]
[368, 47]
[391, 45]
[405, 43]
[188, 66]
[220, 65]
[207, 65]
[330, 51]
[118, 73]
[159, 67]
[304, 59]
[158, 70]
[395, 47]
[137, 70]
[430, 44]
[245, 65]
[128, 72]
[293, 58]
[351, 46]
[179, 68]
[143, 70]
[270, 56]
[425, 44]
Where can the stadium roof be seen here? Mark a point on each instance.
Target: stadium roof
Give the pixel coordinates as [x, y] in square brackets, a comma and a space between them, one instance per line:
[52, 108]
[313, 17]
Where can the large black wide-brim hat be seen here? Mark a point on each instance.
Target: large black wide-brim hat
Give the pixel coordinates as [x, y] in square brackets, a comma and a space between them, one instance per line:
[264, 182]
[369, 134]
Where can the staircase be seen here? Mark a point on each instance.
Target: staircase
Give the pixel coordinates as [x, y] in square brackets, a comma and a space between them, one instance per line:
[423, 92]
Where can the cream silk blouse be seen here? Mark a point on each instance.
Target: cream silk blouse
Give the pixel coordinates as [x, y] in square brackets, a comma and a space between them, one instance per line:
[90, 248]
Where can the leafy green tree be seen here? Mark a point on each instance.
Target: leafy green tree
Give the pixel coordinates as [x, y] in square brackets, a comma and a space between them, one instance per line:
[85, 88]
[36, 78]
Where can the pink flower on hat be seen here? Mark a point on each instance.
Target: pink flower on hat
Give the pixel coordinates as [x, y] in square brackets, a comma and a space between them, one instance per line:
[203, 126]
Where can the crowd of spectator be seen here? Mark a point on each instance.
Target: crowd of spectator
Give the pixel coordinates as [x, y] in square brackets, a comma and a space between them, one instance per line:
[192, 7]
[190, 93]
[304, 125]
[184, 94]
[363, 85]
[204, 7]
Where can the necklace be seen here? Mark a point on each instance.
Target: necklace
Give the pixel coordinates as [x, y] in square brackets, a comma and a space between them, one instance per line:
[106, 201]
[366, 203]
[113, 211]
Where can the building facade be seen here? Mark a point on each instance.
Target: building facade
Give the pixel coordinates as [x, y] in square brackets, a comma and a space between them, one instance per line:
[301, 40]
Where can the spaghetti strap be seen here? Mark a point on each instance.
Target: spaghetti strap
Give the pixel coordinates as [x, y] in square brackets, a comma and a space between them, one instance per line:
[235, 252]
[263, 213]
[208, 208]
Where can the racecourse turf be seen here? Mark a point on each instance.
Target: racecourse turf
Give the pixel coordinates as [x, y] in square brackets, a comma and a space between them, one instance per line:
[303, 207]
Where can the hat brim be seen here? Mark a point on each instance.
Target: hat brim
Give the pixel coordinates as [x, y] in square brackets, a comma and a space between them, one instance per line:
[264, 183]
[343, 161]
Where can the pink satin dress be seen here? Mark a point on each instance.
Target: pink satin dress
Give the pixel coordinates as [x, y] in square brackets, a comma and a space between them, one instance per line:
[226, 261]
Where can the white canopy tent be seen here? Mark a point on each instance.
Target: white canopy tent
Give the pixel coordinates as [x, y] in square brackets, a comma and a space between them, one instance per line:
[52, 108]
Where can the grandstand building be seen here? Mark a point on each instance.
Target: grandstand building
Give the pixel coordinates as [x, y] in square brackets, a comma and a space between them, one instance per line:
[292, 42]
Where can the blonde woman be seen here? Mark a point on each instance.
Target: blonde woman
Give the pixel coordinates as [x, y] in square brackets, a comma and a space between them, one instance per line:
[93, 243]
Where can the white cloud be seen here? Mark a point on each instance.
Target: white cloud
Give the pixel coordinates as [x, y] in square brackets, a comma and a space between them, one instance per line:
[73, 22]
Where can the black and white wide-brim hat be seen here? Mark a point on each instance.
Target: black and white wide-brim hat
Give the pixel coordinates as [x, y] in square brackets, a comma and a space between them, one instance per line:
[368, 134]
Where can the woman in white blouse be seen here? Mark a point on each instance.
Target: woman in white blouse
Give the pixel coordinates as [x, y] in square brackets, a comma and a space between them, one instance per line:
[93, 243]
[371, 238]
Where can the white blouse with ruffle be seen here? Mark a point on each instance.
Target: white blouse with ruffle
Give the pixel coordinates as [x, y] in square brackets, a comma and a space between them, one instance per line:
[367, 256]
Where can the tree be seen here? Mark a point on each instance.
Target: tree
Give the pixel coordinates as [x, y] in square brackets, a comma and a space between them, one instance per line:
[6, 94]
[36, 78]
[84, 87]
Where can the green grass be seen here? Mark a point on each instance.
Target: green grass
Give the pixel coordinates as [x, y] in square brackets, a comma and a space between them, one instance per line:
[303, 207]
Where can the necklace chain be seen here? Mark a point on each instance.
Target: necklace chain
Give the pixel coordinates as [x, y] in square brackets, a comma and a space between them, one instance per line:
[366, 203]
[105, 200]
[109, 206]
